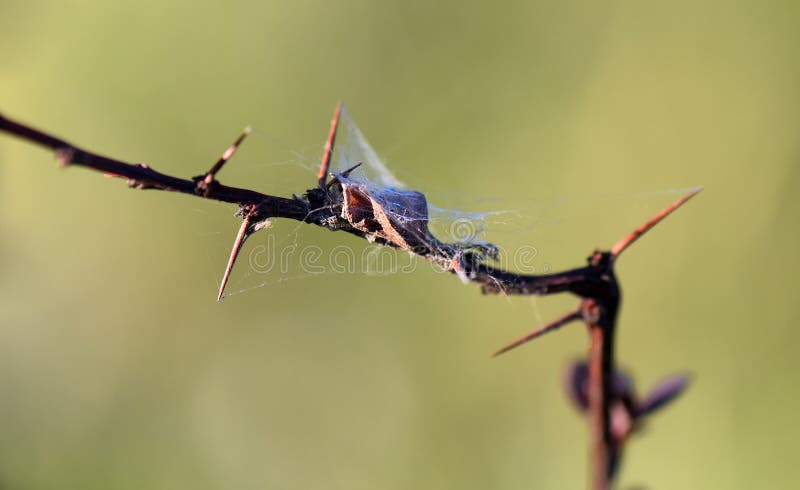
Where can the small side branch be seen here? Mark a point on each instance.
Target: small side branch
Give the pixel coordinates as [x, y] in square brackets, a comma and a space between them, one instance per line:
[205, 181]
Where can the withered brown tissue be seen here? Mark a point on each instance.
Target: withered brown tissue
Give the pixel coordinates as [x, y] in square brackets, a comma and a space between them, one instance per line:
[397, 216]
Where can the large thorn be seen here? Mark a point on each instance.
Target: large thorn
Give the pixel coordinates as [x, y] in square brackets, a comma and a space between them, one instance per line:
[556, 324]
[241, 236]
[627, 241]
[328, 153]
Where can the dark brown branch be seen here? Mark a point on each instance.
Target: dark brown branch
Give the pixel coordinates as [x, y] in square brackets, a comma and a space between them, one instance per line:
[327, 206]
[315, 206]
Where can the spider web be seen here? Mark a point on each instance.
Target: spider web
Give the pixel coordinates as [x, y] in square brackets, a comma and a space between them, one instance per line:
[448, 225]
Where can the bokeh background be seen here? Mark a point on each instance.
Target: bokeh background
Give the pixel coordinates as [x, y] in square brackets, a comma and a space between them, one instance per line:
[119, 370]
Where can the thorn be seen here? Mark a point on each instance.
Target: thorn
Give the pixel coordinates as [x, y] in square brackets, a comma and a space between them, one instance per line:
[328, 153]
[208, 178]
[344, 174]
[241, 236]
[555, 324]
[347, 172]
[626, 242]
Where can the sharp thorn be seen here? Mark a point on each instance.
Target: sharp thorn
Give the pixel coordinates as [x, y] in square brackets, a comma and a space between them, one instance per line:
[329, 144]
[241, 236]
[226, 155]
[344, 174]
[628, 240]
[347, 172]
[555, 324]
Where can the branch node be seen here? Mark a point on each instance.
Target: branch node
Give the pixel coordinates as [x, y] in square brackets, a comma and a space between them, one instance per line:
[591, 312]
[65, 155]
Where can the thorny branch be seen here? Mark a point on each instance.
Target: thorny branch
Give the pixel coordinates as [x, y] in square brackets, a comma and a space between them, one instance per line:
[346, 205]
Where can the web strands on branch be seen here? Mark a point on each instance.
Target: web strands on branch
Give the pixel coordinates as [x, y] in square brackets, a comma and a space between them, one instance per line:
[450, 231]
[402, 217]
[375, 202]
[364, 198]
[387, 212]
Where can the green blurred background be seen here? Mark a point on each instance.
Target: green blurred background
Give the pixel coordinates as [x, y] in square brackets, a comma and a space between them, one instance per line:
[119, 370]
